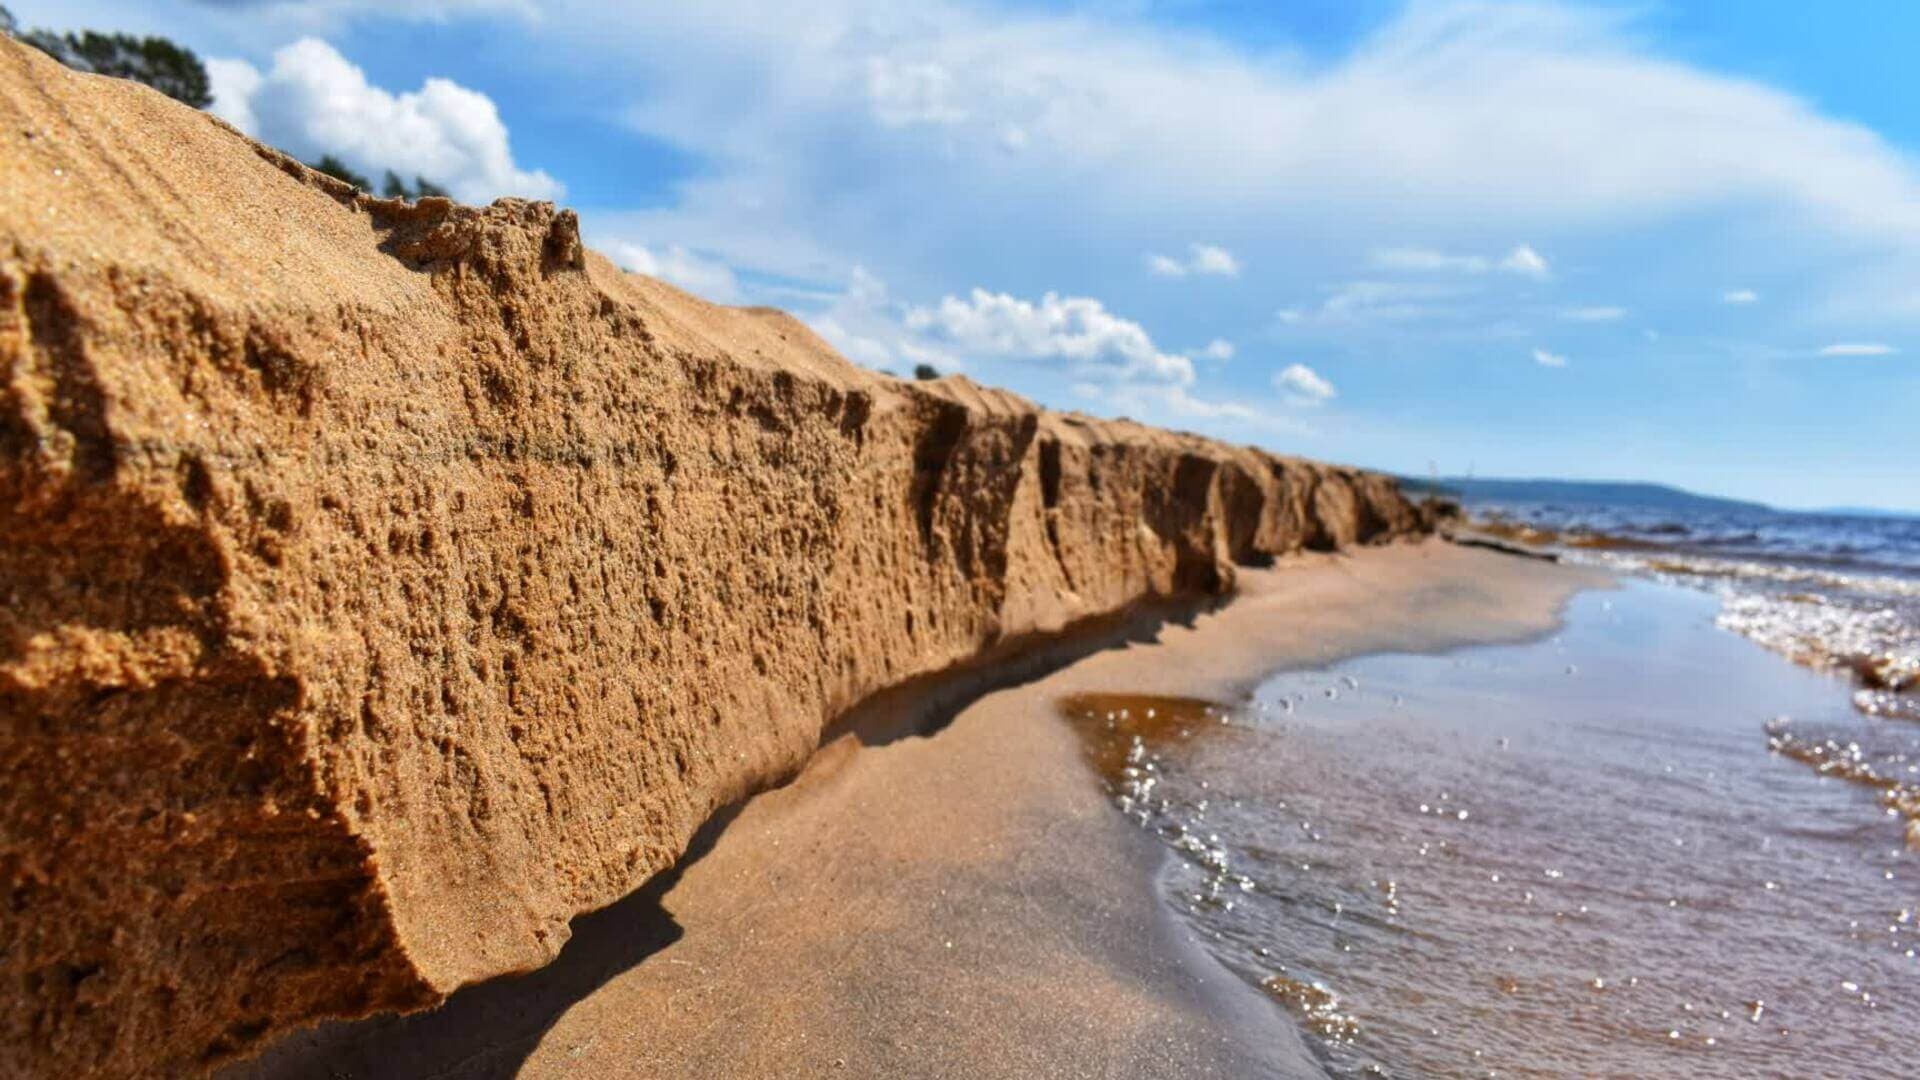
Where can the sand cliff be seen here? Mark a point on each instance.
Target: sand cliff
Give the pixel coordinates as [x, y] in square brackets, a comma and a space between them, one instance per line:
[388, 583]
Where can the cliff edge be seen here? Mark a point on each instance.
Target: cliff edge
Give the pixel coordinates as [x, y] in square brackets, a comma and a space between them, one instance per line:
[388, 583]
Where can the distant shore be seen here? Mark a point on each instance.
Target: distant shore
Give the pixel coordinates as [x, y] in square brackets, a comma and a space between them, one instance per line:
[966, 903]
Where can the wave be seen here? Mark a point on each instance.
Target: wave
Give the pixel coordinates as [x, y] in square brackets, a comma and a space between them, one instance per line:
[1802, 598]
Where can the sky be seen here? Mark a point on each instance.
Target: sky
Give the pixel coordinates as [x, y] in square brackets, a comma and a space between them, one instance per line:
[1676, 242]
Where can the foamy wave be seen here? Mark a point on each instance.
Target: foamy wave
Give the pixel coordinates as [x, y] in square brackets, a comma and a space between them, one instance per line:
[1674, 566]
[1863, 624]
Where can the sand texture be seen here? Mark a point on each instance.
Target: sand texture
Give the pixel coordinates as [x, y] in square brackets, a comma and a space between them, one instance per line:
[967, 903]
[389, 583]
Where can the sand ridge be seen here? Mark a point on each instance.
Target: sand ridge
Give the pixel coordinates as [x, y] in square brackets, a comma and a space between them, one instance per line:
[964, 903]
[389, 583]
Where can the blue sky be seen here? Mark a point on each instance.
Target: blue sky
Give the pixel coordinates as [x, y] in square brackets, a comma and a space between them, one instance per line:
[1677, 242]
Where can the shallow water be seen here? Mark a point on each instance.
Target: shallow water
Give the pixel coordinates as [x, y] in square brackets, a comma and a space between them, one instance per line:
[1830, 591]
[1575, 857]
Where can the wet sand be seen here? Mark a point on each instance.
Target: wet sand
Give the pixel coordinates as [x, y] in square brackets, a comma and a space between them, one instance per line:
[963, 903]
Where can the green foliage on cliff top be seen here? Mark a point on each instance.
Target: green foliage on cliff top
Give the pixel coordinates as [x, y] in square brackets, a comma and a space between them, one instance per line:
[396, 188]
[339, 170]
[155, 61]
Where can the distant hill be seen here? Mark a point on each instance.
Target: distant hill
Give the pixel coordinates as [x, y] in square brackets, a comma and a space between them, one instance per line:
[1576, 493]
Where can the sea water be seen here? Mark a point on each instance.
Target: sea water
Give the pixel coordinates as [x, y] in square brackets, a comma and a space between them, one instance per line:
[1597, 853]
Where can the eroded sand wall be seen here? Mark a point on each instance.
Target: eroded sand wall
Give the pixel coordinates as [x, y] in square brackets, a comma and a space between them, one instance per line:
[387, 584]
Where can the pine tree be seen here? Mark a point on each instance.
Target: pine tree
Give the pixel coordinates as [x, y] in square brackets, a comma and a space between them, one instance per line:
[155, 61]
[338, 169]
[396, 188]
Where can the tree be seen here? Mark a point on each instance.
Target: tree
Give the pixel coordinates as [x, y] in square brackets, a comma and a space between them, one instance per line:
[923, 372]
[155, 61]
[396, 188]
[338, 169]
[179, 74]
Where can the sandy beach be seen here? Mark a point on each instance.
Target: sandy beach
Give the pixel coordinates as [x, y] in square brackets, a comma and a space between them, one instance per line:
[963, 903]
[957, 539]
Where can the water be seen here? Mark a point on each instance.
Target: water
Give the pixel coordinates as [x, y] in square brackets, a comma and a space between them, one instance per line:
[1599, 854]
[1826, 590]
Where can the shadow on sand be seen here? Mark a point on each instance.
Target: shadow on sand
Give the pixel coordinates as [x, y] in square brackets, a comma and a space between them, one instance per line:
[487, 1031]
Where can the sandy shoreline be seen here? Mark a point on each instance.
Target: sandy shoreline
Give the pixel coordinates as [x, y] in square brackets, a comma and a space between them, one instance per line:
[960, 904]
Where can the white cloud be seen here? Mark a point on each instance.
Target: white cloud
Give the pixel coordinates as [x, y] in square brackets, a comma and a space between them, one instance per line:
[1201, 259]
[1382, 301]
[1547, 359]
[870, 352]
[1208, 259]
[864, 322]
[1303, 386]
[1446, 104]
[331, 12]
[1522, 260]
[1113, 359]
[313, 101]
[1740, 296]
[1526, 262]
[1426, 259]
[1143, 399]
[1076, 329]
[1595, 314]
[233, 83]
[706, 278]
[1858, 348]
[904, 93]
[826, 130]
[1217, 349]
[1447, 124]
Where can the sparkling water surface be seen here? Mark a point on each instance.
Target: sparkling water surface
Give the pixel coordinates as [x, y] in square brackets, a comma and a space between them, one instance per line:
[1580, 856]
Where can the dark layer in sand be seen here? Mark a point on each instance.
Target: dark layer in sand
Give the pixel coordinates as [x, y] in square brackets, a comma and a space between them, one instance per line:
[961, 904]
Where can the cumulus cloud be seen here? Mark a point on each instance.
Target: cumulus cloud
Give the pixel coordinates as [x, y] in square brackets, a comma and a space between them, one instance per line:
[1858, 348]
[313, 101]
[1548, 359]
[1217, 349]
[1077, 329]
[233, 83]
[1112, 361]
[1594, 314]
[1176, 402]
[1302, 385]
[1740, 296]
[868, 325]
[1200, 259]
[709, 279]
